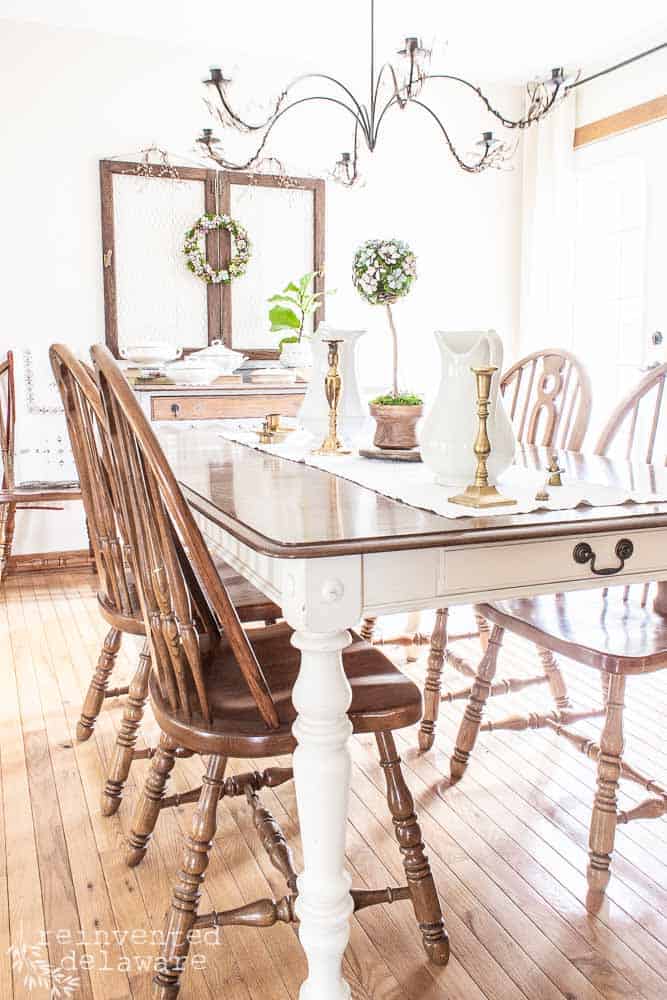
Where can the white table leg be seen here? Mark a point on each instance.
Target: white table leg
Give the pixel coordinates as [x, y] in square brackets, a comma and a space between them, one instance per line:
[322, 775]
[320, 599]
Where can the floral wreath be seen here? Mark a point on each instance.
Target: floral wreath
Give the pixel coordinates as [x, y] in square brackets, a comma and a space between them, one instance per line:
[195, 252]
[383, 270]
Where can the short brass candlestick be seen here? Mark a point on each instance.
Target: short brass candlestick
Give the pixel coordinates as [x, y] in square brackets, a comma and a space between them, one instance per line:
[480, 494]
[332, 389]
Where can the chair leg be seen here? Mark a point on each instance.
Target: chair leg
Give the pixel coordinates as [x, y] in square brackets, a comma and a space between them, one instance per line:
[555, 680]
[436, 658]
[187, 892]
[472, 716]
[149, 805]
[7, 523]
[415, 862]
[98, 686]
[603, 821]
[484, 630]
[367, 628]
[127, 737]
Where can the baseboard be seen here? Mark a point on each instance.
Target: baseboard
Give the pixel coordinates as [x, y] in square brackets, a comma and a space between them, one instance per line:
[80, 560]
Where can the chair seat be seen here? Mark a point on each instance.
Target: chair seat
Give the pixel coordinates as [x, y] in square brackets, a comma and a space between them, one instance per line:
[250, 603]
[383, 698]
[615, 629]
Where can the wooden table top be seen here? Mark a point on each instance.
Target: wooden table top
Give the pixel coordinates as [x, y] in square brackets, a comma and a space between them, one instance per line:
[287, 509]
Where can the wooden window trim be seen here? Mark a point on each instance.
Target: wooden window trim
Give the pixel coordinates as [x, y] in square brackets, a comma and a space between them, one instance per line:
[219, 297]
[622, 121]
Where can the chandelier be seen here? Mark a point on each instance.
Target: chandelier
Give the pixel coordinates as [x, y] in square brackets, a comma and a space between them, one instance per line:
[397, 84]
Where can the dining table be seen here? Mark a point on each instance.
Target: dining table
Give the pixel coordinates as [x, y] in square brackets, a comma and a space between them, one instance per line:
[329, 551]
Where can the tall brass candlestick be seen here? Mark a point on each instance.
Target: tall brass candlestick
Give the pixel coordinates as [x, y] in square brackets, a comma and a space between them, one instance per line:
[480, 494]
[332, 389]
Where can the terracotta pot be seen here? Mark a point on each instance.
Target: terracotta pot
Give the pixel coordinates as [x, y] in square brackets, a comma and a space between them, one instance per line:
[395, 426]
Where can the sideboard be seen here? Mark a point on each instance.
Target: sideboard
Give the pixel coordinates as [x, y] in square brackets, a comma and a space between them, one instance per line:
[219, 402]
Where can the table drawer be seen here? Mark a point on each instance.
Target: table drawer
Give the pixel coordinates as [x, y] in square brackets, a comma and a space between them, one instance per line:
[541, 564]
[224, 407]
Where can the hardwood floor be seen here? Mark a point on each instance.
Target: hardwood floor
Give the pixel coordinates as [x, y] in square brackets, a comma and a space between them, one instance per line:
[508, 846]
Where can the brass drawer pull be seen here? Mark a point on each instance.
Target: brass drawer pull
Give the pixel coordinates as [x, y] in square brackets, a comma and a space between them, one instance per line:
[583, 554]
[175, 409]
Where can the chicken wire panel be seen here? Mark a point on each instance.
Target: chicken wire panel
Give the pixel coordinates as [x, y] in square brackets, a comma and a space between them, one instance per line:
[157, 298]
[280, 223]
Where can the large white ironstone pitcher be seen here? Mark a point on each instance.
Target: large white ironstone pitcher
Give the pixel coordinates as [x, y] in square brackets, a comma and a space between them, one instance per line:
[450, 428]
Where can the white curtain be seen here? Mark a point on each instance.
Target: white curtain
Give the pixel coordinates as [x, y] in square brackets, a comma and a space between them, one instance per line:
[547, 231]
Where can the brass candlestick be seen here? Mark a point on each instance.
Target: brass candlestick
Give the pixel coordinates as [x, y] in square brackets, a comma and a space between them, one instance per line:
[480, 494]
[332, 388]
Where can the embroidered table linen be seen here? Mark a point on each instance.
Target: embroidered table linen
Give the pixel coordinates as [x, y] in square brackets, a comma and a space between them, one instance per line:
[42, 453]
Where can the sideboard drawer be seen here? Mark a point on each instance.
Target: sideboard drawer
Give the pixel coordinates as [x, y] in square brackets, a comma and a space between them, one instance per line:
[193, 407]
[552, 562]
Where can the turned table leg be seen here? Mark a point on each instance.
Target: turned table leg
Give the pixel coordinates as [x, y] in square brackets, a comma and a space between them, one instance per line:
[432, 686]
[472, 716]
[322, 770]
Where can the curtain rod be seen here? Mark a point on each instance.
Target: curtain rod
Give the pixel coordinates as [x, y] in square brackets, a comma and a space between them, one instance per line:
[626, 62]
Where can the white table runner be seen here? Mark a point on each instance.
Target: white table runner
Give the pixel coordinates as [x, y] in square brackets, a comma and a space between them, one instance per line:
[414, 483]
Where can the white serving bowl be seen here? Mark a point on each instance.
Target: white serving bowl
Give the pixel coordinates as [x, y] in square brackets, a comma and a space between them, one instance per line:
[150, 354]
[218, 356]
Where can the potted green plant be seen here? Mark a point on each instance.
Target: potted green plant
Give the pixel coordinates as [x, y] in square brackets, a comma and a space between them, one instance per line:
[383, 272]
[288, 313]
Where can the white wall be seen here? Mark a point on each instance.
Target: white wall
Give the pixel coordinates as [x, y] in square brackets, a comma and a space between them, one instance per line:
[634, 84]
[70, 98]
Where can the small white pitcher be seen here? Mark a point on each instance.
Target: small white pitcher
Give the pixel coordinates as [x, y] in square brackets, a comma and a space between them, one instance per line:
[450, 428]
[353, 416]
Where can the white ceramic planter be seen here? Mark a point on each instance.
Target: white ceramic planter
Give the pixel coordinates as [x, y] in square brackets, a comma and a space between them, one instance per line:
[297, 355]
[354, 420]
[449, 430]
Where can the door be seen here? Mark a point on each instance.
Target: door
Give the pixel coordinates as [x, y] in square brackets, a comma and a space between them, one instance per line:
[620, 295]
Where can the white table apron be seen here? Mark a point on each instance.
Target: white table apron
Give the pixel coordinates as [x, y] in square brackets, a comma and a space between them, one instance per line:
[322, 598]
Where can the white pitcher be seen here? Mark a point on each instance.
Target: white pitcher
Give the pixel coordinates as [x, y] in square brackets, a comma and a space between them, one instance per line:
[450, 428]
[353, 416]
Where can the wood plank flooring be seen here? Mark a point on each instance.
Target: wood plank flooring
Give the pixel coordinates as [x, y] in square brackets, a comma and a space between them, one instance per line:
[508, 846]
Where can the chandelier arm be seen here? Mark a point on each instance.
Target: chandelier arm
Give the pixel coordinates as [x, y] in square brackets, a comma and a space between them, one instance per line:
[402, 101]
[470, 168]
[361, 111]
[507, 122]
[394, 99]
[360, 123]
[238, 121]
[277, 111]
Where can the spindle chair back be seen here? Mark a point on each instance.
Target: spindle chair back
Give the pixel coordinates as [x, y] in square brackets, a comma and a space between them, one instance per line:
[85, 423]
[548, 397]
[639, 422]
[185, 612]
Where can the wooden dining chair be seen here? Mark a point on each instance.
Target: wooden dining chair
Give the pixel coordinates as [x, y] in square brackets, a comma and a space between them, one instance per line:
[13, 497]
[221, 691]
[619, 631]
[548, 397]
[118, 600]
